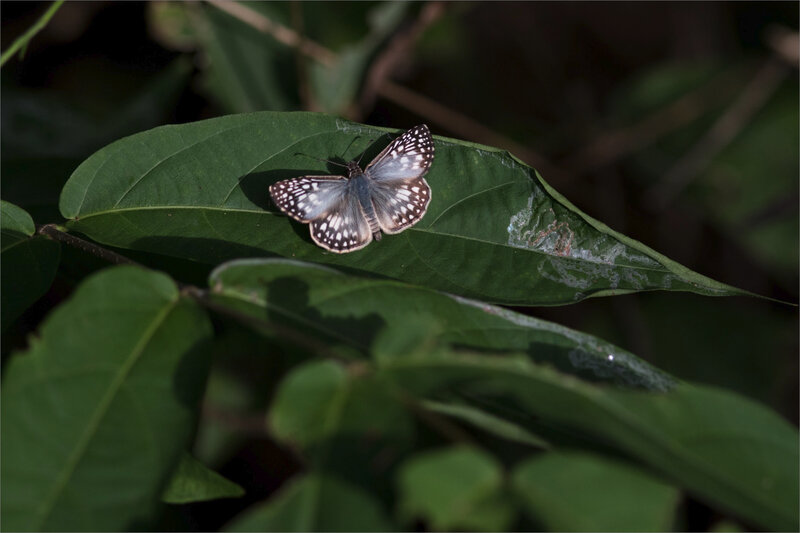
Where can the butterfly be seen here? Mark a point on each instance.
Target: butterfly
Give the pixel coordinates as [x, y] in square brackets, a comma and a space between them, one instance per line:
[345, 213]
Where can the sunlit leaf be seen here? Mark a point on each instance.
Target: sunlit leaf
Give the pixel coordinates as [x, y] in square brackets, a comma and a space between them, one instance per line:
[494, 229]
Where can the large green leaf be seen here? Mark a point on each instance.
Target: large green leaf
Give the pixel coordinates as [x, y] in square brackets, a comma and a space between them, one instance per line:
[98, 411]
[29, 262]
[726, 450]
[349, 311]
[315, 503]
[581, 492]
[494, 229]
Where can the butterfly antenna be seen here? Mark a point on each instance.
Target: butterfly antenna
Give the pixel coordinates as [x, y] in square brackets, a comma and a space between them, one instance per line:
[323, 160]
[371, 140]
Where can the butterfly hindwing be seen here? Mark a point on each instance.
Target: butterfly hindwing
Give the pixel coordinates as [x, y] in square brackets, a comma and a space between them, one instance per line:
[343, 228]
[400, 204]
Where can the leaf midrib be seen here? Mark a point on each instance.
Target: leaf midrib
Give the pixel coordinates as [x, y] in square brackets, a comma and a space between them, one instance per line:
[48, 502]
[662, 270]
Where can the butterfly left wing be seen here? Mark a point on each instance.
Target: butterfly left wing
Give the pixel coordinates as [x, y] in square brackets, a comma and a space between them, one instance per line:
[335, 217]
[308, 197]
[408, 156]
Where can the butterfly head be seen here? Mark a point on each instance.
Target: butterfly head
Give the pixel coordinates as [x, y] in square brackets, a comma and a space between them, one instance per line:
[353, 169]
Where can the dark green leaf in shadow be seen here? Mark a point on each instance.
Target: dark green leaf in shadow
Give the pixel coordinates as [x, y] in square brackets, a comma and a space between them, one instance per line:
[98, 411]
[192, 481]
[29, 262]
[454, 489]
[349, 311]
[494, 229]
[50, 125]
[315, 503]
[724, 449]
[336, 86]
[581, 492]
[348, 424]
[245, 69]
[488, 422]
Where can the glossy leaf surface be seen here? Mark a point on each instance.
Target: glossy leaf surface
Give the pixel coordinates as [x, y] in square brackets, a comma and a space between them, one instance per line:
[494, 229]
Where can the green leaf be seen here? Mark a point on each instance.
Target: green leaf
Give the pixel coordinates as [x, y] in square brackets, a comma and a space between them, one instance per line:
[724, 449]
[29, 263]
[488, 422]
[97, 412]
[336, 86]
[454, 489]
[48, 124]
[568, 491]
[328, 412]
[245, 70]
[349, 311]
[315, 503]
[192, 481]
[494, 229]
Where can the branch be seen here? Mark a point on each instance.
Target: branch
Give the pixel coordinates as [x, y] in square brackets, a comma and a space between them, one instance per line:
[722, 132]
[55, 233]
[454, 121]
[31, 33]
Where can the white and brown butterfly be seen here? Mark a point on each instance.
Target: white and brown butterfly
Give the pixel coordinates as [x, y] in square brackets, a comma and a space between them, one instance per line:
[346, 213]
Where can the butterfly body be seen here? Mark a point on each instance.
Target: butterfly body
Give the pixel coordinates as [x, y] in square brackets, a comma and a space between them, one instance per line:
[347, 213]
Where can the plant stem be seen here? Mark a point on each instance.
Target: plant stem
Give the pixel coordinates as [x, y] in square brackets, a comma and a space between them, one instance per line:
[32, 31]
[55, 233]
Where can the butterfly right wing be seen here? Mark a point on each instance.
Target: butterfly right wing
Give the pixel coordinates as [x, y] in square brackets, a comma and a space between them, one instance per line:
[336, 220]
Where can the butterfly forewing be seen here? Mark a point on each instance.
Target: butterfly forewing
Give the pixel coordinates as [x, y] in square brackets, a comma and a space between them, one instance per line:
[309, 197]
[408, 156]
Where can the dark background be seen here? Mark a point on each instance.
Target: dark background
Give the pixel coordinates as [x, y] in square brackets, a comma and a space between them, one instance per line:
[609, 101]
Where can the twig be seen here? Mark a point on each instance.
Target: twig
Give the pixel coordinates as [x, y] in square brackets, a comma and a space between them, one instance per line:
[785, 43]
[456, 122]
[612, 145]
[720, 135]
[396, 51]
[32, 31]
[466, 127]
[301, 61]
[53, 231]
[281, 33]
